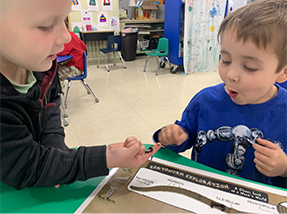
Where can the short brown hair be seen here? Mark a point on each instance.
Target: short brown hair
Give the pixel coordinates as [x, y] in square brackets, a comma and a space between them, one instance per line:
[264, 22]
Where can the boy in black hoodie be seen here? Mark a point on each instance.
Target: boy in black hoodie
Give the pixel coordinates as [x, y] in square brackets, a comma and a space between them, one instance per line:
[32, 148]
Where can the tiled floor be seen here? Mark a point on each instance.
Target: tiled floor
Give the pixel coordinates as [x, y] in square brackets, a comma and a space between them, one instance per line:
[132, 102]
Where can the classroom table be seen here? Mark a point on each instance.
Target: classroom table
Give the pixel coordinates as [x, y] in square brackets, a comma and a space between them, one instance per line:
[64, 59]
[101, 35]
[68, 198]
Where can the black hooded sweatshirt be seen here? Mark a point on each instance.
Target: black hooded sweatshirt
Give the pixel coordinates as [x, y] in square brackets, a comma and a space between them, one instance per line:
[32, 148]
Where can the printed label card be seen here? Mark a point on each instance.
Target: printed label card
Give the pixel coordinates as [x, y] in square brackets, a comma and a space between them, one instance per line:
[165, 187]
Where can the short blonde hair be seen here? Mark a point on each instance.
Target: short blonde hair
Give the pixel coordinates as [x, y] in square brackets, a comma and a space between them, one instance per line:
[264, 22]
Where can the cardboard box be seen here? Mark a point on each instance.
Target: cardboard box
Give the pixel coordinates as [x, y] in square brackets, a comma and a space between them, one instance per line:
[146, 11]
[122, 13]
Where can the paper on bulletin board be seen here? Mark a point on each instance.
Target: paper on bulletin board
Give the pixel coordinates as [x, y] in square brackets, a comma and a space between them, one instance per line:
[76, 27]
[76, 5]
[103, 19]
[87, 17]
[107, 5]
[114, 23]
[93, 5]
[160, 186]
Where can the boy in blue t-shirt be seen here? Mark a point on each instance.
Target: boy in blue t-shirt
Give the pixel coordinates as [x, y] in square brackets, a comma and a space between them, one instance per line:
[240, 126]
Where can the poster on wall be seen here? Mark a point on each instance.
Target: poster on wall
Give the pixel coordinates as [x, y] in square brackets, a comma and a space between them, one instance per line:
[76, 5]
[77, 27]
[107, 5]
[86, 17]
[103, 19]
[93, 5]
[114, 23]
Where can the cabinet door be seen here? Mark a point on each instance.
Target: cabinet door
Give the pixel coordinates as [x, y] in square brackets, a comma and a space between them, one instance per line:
[173, 29]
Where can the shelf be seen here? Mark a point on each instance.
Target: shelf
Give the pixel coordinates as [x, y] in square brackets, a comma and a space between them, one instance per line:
[133, 21]
[161, 30]
[146, 28]
[144, 32]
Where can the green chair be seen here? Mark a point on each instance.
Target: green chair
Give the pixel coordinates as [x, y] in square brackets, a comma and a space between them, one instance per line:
[160, 55]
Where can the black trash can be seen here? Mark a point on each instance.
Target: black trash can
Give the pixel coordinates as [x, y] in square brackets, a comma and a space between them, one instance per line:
[129, 45]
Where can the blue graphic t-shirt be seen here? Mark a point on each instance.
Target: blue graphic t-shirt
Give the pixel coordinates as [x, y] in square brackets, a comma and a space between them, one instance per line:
[221, 132]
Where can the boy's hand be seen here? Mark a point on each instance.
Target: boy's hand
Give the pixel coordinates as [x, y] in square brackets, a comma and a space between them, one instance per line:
[131, 153]
[172, 134]
[132, 140]
[270, 160]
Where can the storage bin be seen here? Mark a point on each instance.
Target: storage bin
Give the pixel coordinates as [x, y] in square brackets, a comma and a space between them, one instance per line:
[144, 44]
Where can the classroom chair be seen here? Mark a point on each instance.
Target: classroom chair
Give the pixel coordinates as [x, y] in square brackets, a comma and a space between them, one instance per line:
[65, 122]
[112, 48]
[160, 55]
[82, 79]
[62, 110]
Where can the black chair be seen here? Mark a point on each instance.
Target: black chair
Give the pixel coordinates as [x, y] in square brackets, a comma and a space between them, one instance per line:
[112, 48]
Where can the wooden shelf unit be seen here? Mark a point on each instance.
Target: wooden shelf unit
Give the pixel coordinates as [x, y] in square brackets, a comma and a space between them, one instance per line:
[135, 21]
[142, 31]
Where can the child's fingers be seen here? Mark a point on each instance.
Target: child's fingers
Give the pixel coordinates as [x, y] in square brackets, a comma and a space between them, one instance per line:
[128, 140]
[139, 159]
[129, 144]
[152, 150]
[264, 147]
[259, 168]
[179, 135]
[58, 185]
[173, 134]
[141, 147]
[260, 158]
[267, 143]
[181, 138]
[142, 150]
[164, 136]
[135, 147]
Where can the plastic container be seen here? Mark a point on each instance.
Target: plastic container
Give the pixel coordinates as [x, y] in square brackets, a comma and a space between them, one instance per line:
[144, 44]
[129, 45]
[89, 27]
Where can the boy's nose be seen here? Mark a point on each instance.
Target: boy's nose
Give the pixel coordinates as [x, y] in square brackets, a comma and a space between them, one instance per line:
[67, 36]
[64, 36]
[232, 75]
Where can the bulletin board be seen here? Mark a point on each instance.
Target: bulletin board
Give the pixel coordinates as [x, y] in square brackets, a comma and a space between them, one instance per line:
[97, 14]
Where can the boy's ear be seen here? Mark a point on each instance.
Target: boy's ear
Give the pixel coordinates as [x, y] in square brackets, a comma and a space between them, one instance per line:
[283, 76]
